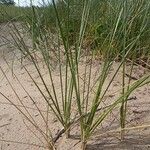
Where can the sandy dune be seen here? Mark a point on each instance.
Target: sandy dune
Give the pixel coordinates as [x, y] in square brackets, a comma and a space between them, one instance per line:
[16, 133]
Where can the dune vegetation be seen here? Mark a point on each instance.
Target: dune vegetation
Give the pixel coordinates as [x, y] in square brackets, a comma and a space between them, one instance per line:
[72, 34]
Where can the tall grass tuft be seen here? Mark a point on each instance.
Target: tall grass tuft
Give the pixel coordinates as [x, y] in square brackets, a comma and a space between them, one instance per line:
[63, 48]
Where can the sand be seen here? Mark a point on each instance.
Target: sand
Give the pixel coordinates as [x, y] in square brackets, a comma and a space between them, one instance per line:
[17, 133]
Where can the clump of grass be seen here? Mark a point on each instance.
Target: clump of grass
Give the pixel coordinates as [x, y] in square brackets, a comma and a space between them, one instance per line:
[12, 13]
[68, 55]
[137, 22]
